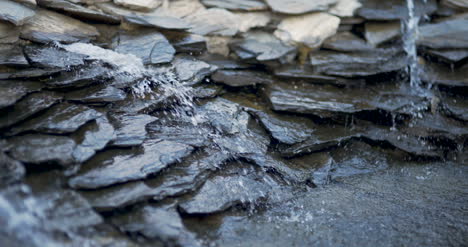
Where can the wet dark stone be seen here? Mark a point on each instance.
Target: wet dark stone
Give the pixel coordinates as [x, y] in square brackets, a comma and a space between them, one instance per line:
[456, 108]
[317, 165]
[286, 129]
[9, 33]
[64, 209]
[164, 22]
[60, 119]
[12, 91]
[92, 138]
[81, 76]
[11, 170]
[221, 193]
[52, 57]
[262, 47]
[191, 70]
[97, 94]
[39, 149]
[380, 32]
[394, 9]
[450, 56]
[14, 12]
[441, 74]
[78, 11]
[308, 74]
[12, 55]
[346, 42]
[207, 91]
[151, 46]
[444, 35]
[27, 107]
[130, 129]
[26, 73]
[357, 64]
[163, 224]
[224, 63]
[108, 169]
[241, 78]
[299, 6]
[431, 126]
[186, 42]
[245, 5]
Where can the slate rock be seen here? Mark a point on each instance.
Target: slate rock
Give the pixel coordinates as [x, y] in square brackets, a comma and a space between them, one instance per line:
[12, 91]
[345, 8]
[39, 149]
[52, 57]
[449, 55]
[80, 76]
[213, 21]
[11, 171]
[394, 9]
[28, 106]
[357, 64]
[377, 33]
[346, 42]
[97, 94]
[93, 137]
[130, 129]
[156, 223]
[78, 11]
[9, 33]
[241, 78]
[296, 7]
[245, 5]
[122, 168]
[158, 21]
[190, 70]
[143, 5]
[60, 119]
[15, 13]
[309, 74]
[447, 34]
[262, 47]
[47, 26]
[186, 42]
[12, 55]
[151, 46]
[443, 75]
[221, 193]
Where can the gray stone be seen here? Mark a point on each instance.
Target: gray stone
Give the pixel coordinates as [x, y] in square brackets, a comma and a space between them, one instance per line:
[47, 26]
[447, 34]
[164, 22]
[143, 5]
[9, 33]
[241, 78]
[191, 70]
[381, 32]
[346, 42]
[80, 76]
[299, 6]
[213, 21]
[11, 171]
[39, 149]
[111, 170]
[12, 55]
[245, 5]
[12, 91]
[151, 46]
[394, 9]
[78, 11]
[186, 42]
[451, 55]
[97, 94]
[15, 13]
[52, 57]
[221, 193]
[130, 128]
[28, 106]
[60, 119]
[356, 64]
[309, 74]
[443, 75]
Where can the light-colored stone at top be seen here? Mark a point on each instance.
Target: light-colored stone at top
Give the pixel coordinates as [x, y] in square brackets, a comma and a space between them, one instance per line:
[456, 3]
[296, 7]
[27, 2]
[345, 8]
[143, 5]
[310, 30]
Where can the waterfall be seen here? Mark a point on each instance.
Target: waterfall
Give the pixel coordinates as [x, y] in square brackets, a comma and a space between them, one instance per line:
[410, 34]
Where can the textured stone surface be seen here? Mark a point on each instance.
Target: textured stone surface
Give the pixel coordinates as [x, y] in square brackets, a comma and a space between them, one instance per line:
[299, 6]
[14, 12]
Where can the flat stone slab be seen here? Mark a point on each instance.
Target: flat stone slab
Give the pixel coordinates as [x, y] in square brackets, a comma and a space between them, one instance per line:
[52, 57]
[11, 91]
[40, 149]
[296, 7]
[11, 171]
[60, 119]
[47, 26]
[12, 55]
[443, 75]
[346, 42]
[447, 34]
[15, 13]
[309, 74]
[450, 55]
[241, 78]
[123, 168]
[130, 128]
[97, 95]
[358, 64]
[143, 5]
[394, 9]
[158, 21]
[80, 76]
[79, 11]
[380, 32]
[245, 5]
[151, 46]
[221, 193]
[9, 33]
[213, 21]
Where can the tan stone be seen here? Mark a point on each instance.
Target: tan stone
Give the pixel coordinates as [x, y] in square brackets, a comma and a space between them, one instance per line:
[345, 8]
[380, 32]
[9, 33]
[213, 21]
[249, 20]
[143, 5]
[299, 6]
[218, 45]
[310, 30]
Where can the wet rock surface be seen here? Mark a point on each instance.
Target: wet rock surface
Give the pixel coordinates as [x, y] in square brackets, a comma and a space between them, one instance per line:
[233, 123]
